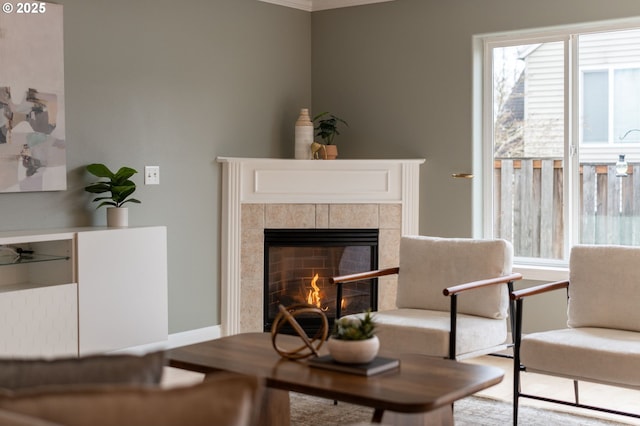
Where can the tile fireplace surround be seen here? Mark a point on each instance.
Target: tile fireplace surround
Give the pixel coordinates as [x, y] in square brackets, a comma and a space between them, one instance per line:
[259, 193]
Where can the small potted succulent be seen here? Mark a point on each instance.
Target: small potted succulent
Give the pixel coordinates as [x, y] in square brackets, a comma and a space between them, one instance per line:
[326, 127]
[353, 340]
[119, 185]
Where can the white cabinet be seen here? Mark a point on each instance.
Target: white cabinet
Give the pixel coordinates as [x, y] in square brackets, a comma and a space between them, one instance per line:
[122, 291]
[82, 290]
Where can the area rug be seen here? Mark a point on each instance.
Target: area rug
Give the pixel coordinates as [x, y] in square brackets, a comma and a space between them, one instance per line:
[472, 411]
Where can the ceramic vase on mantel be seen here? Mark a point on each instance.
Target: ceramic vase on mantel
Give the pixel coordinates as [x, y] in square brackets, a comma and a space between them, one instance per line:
[117, 217]
[304, 136]
[353, 351]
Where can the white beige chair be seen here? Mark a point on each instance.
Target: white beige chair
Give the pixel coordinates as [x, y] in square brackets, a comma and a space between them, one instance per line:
[602, 341]
[452, 297]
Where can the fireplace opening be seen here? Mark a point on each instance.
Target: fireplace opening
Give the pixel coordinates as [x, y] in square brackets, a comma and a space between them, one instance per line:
[299, 263]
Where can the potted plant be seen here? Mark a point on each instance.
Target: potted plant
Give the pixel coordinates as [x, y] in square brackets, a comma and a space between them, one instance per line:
[120, 187]
[353, 340]
[327, 129]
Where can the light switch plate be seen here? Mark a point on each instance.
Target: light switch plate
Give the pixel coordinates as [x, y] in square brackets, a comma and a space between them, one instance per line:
[152, 175]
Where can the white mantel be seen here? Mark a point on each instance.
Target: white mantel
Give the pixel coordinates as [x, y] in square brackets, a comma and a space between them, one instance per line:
[287, 181]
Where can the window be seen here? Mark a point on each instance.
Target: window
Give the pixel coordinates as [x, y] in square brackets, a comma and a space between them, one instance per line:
[558, 109]
[610, 96]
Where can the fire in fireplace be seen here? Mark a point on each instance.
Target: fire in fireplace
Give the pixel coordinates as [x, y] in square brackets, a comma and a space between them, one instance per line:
[300, 262]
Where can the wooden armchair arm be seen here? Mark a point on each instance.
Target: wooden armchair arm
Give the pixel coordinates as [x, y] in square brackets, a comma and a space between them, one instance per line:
[543, 288]
[364, 275]
[482, 283]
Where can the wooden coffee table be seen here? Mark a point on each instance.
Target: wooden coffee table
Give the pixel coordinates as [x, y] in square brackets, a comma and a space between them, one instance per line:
[422, 384]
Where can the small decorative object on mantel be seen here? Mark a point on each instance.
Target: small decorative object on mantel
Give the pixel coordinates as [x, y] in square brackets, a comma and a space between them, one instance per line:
[311, 346]
[327, 129]
[120, 187]
[353, 341]
[304, 136]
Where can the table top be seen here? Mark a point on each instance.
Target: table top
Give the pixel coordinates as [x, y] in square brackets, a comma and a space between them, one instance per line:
[421, 384]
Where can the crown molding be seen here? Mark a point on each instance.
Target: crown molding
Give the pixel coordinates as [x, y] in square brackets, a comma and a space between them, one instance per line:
[315, 5]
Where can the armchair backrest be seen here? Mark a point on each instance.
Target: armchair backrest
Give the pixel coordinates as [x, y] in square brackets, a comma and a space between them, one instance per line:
[604, 283]
[428, 265]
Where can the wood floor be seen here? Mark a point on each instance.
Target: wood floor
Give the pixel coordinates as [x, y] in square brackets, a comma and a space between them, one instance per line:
[594, 394]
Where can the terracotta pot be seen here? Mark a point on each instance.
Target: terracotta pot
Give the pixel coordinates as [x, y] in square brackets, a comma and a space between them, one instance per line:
[354, 351]
[117, 217]
[331, 152]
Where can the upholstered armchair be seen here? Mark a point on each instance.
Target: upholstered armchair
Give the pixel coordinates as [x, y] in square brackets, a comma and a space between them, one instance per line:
[452, 297]
[601, 343]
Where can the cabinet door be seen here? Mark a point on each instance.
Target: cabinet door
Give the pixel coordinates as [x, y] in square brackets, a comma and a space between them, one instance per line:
[39, 322]
[122, 288]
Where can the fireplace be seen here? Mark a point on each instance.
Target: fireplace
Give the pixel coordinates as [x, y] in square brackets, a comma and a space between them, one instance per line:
[269, 193]
[298, 265]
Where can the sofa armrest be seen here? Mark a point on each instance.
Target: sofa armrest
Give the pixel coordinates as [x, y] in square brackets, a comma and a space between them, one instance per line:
[449, 291]
[364, 275]
[539, 289]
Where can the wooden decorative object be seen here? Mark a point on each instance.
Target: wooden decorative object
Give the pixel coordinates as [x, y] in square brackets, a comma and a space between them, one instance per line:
[311, 345]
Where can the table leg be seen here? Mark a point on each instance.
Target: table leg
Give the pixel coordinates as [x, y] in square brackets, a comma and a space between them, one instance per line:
[275, 409]
[377, 415]
[442, 416]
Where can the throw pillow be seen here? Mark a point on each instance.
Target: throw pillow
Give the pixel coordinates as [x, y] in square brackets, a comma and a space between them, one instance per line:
[120, 368]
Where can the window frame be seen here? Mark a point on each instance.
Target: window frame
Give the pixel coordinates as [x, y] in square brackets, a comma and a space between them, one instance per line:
[482, 101]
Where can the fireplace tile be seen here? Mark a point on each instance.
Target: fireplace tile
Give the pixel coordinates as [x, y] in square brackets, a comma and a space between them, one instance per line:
[389, 248]
[387, 292]
[252, 216]
[322, 216]
[251, 252]
[390, 216]
[290, 216]
[353, 216]
[251, 305]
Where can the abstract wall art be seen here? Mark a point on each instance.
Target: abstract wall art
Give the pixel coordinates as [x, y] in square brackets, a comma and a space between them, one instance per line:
[32, 118]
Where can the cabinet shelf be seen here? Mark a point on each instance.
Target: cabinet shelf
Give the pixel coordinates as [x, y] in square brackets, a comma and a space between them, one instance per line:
[30, 258]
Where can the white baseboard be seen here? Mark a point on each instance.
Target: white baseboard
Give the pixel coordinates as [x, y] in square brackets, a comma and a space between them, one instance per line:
[194, 336]
[177, 339]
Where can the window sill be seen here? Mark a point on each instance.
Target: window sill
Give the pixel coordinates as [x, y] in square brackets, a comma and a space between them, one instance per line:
[542, 273]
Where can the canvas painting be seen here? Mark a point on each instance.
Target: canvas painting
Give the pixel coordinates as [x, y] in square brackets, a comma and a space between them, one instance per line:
[32, 119]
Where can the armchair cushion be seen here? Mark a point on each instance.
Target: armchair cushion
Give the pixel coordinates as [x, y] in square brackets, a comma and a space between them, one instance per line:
[599, 295]
[429, 264]
[595, 354]
[125, 369]
[224, 399]
[427, 332]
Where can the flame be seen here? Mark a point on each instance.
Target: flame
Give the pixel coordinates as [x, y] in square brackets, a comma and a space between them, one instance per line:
[313, 298]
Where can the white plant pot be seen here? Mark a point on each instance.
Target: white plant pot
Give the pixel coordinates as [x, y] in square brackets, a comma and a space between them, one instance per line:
[354, 351]
[117, 217]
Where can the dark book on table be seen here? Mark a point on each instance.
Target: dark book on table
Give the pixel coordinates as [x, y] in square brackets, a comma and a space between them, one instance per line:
[378, 365]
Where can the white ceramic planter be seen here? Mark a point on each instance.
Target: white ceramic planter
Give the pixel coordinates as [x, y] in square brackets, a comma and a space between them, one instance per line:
[117, 217]
[354, 351]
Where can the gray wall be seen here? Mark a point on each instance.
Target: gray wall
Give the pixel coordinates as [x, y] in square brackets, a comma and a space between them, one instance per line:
[401, 74]
[177, 84]
[174, 84]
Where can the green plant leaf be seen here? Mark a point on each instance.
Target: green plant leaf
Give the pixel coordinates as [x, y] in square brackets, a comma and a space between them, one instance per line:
[118, 184]
[100, 170]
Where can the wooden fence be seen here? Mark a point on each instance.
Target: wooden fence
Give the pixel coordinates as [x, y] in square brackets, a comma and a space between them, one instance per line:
[529, 199]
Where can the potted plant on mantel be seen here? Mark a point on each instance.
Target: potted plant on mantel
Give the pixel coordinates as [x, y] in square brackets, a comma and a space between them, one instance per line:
[327, 129]
[120, 187]
[353, 340]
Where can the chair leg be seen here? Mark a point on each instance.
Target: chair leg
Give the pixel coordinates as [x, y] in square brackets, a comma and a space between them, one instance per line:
[516, 360]
[575, 391]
